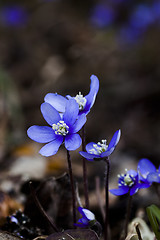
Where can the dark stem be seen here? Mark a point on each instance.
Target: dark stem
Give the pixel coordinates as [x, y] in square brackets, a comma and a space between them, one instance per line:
[106, 198]
[85, 179]
[99, 197]
[138, 232]
[38, 204]
[72, 187]
[128, 213]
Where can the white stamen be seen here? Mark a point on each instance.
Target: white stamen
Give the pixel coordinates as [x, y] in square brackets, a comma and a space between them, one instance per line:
[99, 147]
[60, 128]
[81, 101]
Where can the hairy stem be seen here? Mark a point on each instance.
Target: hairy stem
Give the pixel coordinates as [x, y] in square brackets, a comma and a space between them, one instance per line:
[85, 179]
[106, 198]
[128, 213]
[72, 187]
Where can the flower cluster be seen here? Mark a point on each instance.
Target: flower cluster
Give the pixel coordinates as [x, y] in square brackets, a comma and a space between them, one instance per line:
[133, 180]
[66, 116]
[128, 182]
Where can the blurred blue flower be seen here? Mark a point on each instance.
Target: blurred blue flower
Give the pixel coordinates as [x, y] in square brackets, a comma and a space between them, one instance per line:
[142, 17]
[129, 34]
[85, 102]
[102, 15]
[63, 128]
[88, 218]
[13, 15]
[128, 183]
[101, 149]
[156, 10]
[148, 172]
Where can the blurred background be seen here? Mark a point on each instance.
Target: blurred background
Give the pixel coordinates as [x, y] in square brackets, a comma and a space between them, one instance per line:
[55, 46]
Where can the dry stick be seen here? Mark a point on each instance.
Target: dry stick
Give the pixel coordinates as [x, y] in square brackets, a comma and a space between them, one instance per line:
[72, 187]
[85, 179]
[38, 204]
[107, 198]
[99, 197]
[128, 212]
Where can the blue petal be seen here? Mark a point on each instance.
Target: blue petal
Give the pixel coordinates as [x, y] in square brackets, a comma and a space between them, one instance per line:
[88, 156]
[119, 191]
[107, 152]
[57, 101]
[71, 112]
[144, 185]
[50, 114]
[132, 172]
[94, 87]
[145, 167]
[134, 189]
[41, 134]
[79, 123]
[115, 139]
[72, 142]
[153, 177]
[52, 147]
[89, 147]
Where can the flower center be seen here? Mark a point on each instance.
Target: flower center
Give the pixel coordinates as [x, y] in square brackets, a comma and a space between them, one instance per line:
[126, 180]
[60, 128]
[99, 147]
[80, 100]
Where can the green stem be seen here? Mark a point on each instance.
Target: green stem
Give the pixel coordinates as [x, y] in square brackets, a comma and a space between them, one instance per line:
[72, 187]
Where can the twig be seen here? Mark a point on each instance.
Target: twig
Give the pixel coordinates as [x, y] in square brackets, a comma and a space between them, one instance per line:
[38, 204]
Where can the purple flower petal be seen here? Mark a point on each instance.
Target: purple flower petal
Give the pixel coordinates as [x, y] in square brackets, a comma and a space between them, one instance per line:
[134, 189]
[89, 147]
[57, 101]
[153, 177]
[71, 112]
[88, 156]
[41, 134]
[120, 191]
[72, 142]
[115, 139]
[107, 152]
[145, 167]
[94, 87]
[79, 123]
[52, 147]
[50, 114]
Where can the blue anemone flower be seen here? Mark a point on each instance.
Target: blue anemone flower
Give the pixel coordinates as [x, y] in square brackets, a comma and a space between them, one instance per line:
[62, 128]
[88, 218]
[101, 149]
[148, 172]
[102, 15]
[128, 183]
[13, 15]
[85, 102]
